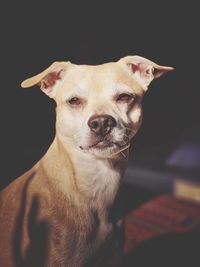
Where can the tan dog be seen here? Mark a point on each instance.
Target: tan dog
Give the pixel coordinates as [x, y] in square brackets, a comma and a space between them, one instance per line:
[58, 213]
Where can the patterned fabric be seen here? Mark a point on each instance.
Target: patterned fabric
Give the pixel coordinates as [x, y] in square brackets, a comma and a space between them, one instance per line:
[161, 215]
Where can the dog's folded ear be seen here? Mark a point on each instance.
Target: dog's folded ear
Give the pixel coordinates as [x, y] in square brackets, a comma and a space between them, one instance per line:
[48, 79]
[144, 70]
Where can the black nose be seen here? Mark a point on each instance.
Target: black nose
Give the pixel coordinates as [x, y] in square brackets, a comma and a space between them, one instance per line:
[101, 124]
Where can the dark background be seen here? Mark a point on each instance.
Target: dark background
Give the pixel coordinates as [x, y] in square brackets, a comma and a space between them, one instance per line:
[34, 34]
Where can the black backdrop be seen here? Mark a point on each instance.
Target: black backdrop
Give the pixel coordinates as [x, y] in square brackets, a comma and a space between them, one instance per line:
[34, 34]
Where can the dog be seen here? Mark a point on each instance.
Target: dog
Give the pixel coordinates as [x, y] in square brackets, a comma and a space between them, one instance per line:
[59, 212]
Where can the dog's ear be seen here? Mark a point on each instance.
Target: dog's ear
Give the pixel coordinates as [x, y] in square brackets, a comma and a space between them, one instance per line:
[48, 79]
[144, 70]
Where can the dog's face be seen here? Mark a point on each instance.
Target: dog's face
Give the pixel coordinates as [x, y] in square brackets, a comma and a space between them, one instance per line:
[98, 107]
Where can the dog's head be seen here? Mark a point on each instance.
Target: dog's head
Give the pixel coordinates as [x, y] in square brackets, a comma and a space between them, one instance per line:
[98, 107]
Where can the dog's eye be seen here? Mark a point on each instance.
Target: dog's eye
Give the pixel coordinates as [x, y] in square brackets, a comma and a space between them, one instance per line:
[74, 101]
[125, 98]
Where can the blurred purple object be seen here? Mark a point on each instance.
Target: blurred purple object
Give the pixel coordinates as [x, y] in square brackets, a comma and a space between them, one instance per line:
[185, 156]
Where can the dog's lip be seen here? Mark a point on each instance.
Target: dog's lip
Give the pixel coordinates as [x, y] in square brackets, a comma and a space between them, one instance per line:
[99, 143]
[108, 144]
[102, 143]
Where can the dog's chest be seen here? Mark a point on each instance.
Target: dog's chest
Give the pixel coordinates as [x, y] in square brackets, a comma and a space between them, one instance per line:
[99, 182]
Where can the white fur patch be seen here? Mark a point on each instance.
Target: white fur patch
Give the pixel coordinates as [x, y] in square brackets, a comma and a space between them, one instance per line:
[136, 114]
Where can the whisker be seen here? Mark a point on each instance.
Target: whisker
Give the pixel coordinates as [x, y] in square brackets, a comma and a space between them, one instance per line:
[119, 151]
[123, 154]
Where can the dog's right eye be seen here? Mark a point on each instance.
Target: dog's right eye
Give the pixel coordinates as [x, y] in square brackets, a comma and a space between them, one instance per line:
[74, 101]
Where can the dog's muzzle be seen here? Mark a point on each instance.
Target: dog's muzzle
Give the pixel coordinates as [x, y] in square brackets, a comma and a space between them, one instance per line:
[101, 137]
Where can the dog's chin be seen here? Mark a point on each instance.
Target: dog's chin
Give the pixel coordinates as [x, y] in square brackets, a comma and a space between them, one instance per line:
[106, 150]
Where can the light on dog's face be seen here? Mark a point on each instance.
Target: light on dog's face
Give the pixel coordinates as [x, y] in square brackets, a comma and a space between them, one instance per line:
[98, 109]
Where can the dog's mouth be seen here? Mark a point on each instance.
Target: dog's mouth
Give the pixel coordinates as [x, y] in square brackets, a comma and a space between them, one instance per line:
[106, 145]
[102, 143]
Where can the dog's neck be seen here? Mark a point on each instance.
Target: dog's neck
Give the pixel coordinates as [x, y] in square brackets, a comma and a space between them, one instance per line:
[81, 176]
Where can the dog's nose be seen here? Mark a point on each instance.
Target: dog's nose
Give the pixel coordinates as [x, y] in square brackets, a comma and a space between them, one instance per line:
[101, 124]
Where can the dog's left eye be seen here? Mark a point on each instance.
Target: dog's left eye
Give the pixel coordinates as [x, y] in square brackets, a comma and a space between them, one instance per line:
[125, 98]
[74, 101]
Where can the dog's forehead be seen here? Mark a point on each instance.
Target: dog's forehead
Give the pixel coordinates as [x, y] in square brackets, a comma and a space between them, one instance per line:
[99, 78]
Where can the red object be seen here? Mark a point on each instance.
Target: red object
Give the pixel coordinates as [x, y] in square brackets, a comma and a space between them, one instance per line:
[161, 215]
